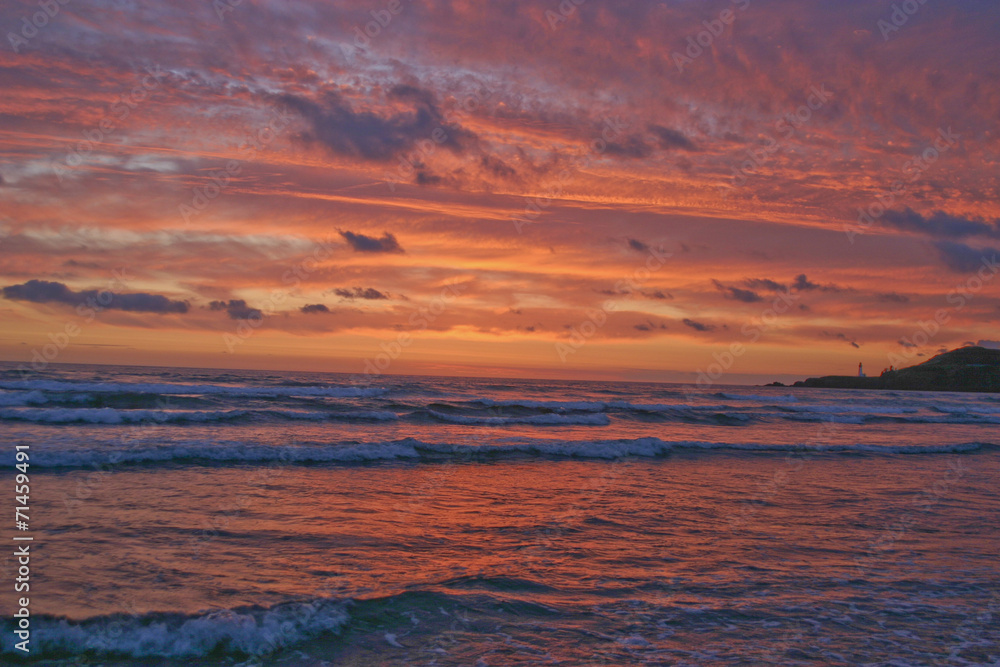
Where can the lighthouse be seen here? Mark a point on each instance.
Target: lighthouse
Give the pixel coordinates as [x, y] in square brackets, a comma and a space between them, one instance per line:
[861, 371]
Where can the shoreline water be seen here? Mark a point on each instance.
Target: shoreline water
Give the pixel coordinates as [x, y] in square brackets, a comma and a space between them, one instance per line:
[501, 522]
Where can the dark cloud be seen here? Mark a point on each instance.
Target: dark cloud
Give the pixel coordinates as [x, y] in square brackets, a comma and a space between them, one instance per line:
[632, 146]
[43, 291]
[363, 243]
[650, 325]
[659, 137]
[940, 225]
[746, 296]
[905, 343]
[657, 294]
[668, 138]
[697, 326]
[765, 283]
[803, 284]
[497, 167]
[368, 293]
[638, 245]
[892, 297]
[963, 259]
[426, 177]
[843, 337]
[237, 309]
[344, 130]
[314, 308]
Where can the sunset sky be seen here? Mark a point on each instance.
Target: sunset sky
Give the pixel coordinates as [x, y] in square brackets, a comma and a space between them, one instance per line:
[592, 189]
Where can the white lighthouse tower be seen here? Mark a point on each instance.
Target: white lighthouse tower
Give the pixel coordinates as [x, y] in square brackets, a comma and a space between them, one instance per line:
[861, 371]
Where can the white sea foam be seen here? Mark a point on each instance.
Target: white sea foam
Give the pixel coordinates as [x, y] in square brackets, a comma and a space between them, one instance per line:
[24, 409]
[412, 449]
[185, 389]
[35, 397]
[118, 416]
[113, 416]
[855, 409]
[966, 409]
[558, 406]
[765, 398]
[253, 631]
[599, 406]
[538, 420]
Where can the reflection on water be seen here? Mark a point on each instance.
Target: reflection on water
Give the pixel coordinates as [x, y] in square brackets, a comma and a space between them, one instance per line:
[520, 562]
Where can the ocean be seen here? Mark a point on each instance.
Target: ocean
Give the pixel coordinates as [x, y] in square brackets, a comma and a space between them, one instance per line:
[221, 517]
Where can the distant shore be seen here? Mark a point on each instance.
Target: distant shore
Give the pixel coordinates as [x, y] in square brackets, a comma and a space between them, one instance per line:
[968, 369]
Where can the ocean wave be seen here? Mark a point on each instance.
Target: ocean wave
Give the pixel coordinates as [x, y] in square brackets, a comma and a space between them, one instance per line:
[586, 406]
[555, 406]
[785, 398]
[33, 397]
[241, 631]
[26, 410]
[550, 419]
[113, 416]
[890, 417]
[961, 410]
[199, 451]
[175, 389]
[853, 409]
